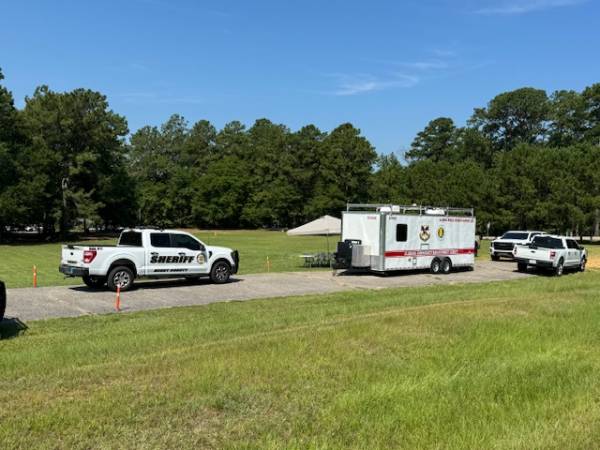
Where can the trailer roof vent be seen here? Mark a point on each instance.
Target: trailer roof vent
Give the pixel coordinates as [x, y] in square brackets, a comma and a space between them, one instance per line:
[435, 212]
[389, 208]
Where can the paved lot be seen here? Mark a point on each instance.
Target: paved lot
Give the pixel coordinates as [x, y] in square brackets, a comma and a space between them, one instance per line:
[43, 303]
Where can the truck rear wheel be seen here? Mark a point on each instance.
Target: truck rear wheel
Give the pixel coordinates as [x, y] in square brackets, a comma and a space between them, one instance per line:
[435, 267]
[2, 300]
[446, 266]
[559, 269]
[220, 272]
[120, 276]
[94, 282]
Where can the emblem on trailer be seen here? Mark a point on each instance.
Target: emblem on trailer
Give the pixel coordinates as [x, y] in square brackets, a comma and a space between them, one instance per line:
[441, 232]
[424, 234]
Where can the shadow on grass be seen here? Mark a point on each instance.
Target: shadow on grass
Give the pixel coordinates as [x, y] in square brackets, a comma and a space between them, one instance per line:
[10, 328]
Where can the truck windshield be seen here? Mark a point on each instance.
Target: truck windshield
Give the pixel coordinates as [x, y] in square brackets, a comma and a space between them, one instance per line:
[547, 242]
[515, 236]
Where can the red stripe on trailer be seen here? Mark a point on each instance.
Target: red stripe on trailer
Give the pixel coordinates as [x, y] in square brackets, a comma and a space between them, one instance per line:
[441, 252]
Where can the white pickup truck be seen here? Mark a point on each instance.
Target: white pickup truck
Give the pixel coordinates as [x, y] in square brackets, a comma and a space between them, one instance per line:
[504, 245]
[153, 253]
[556, 253]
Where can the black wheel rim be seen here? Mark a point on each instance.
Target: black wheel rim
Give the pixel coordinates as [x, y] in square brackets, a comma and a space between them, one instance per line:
[121, 279]
[221, 272]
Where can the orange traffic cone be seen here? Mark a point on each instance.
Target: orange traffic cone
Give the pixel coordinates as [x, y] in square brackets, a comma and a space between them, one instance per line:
[118, 299]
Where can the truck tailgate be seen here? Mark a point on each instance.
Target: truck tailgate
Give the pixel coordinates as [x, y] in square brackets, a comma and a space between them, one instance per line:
[533, 254]
[72, 255]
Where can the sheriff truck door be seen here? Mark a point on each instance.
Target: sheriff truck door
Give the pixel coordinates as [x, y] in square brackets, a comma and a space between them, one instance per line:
[192, 252]
[165, 256]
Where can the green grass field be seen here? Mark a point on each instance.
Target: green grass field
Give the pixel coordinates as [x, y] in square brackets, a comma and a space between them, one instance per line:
[17, 261]
[499, 365]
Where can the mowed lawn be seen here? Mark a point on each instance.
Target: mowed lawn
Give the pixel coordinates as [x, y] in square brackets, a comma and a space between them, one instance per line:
[498, 365]
[17, 261]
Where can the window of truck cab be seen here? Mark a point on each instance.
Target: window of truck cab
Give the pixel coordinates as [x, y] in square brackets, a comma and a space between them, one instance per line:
[160, 240]
[131, 239]
[185, 241]
[515, 235]
[547, 242]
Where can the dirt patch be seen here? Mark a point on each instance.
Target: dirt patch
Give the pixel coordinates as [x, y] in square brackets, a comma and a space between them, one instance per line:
[594, 263]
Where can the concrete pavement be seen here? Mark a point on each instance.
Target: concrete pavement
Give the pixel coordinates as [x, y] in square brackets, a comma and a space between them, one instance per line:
[71, 301]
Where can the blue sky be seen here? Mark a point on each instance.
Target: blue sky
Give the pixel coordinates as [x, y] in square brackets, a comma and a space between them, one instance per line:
[386, 66]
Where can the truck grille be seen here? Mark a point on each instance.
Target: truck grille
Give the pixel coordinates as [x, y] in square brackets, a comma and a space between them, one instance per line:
[503, 246]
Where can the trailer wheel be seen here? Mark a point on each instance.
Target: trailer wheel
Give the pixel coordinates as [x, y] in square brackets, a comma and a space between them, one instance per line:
[120, 276]
[446, 266]
[2, 300]
[435, 267]
[94, 282]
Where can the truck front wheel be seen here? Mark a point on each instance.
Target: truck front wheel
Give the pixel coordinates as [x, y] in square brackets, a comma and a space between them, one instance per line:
[120, 276]
[94, 282]
[522, 267]
[582, 265]
[220, 272]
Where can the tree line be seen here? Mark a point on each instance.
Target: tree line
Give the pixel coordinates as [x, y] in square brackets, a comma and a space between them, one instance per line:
[525, 160]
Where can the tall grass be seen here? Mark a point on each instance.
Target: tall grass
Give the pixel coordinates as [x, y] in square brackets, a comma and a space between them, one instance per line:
[498, 365]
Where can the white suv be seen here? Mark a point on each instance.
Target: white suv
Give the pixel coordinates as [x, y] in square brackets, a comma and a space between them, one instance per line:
[504, 245]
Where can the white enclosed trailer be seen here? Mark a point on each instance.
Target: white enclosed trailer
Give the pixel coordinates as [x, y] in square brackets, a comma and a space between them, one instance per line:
[384, 238]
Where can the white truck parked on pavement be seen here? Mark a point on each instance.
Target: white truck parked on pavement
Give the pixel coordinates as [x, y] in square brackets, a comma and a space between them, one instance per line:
[504, 245]
[556, 253]
[147, 252]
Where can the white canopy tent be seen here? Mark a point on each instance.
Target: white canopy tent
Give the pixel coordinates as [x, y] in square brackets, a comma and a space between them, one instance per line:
[323, 226]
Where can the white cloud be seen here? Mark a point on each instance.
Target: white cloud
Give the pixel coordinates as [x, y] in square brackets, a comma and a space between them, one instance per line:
[526, 6]
[425, 65]
[394, 74]
[354, 84]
